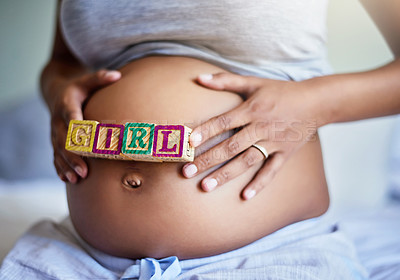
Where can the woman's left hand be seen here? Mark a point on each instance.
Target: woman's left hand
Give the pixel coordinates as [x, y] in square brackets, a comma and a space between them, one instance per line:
[279, 116]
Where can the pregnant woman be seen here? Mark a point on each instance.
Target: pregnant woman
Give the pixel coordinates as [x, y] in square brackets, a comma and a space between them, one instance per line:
[165, 214]
[205, 220]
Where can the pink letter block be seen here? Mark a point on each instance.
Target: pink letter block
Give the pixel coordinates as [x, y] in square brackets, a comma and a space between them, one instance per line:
[108, 140]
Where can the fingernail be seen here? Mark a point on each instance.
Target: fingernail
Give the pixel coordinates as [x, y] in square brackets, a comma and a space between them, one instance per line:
[250, 194]
[195, 139]
[112, 75]
[70, 176]
[189, 170]
[62, 177]
[209, 184]
[206, 77]
[79, 170]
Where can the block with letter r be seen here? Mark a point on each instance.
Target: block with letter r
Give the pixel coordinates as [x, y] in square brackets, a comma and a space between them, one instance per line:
[138, 140]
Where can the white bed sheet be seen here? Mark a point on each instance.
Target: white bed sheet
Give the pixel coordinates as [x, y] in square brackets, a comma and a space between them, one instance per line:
[376, 235]
[24, 202]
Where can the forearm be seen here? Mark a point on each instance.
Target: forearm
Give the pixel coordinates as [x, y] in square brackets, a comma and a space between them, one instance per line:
[376, 93]
[61, 68]
[356, 96]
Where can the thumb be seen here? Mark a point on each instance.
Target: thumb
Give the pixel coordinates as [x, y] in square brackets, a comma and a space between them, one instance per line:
[230, 82]
[73, 110]
[98, 79]
[86, 84]
[73, 113]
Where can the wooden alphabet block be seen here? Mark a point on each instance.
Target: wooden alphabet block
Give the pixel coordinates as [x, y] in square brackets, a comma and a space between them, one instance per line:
[108, 140]
[138, 141]
[80, 136]
[171, 143]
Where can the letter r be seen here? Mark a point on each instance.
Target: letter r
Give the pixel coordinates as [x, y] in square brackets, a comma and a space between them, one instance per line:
[138, 133]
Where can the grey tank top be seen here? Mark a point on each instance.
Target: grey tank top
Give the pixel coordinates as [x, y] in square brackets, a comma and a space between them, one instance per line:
[281, 39]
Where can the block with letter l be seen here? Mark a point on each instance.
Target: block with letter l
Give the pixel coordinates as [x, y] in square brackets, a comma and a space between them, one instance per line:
[171, 143]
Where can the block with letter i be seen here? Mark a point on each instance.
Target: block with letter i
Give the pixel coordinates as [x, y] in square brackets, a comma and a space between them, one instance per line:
[80, 137]
[171, 143]
[108, 141]
[138, 141]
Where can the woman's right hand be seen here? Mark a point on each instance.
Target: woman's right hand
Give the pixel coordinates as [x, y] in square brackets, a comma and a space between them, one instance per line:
[67, 105]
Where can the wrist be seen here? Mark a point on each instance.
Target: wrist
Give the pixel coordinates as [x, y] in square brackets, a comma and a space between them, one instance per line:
[321, 107]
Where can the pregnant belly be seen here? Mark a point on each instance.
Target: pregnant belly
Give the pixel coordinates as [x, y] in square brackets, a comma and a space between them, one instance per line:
[168, 214]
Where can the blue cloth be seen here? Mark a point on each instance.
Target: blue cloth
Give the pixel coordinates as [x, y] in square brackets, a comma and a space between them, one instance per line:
[311, 249]
[25, 146]
[375, 233]
[394, 162]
